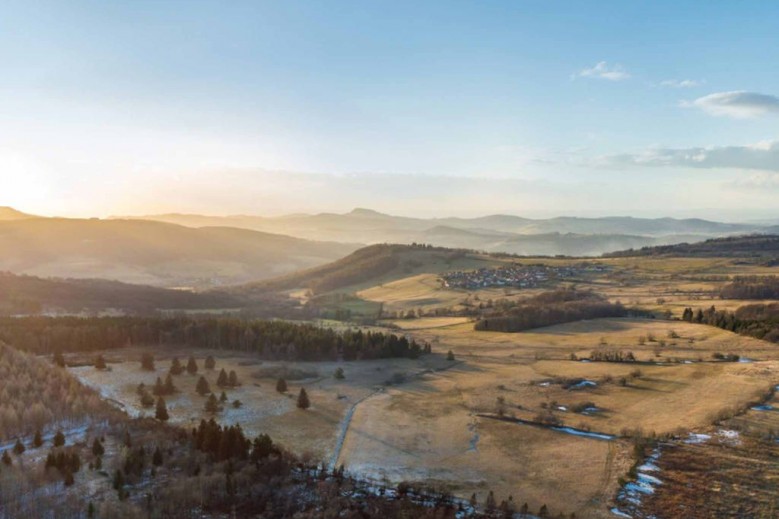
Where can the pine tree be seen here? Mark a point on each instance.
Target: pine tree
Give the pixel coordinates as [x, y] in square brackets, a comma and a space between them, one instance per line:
[203, 388]
[281, 385]
[37, 440]
[210, 362]
[303, 401]
[146, 399]
[339, 374]
[191, 366]
[161, 413]
[159, 389]
[232, 380]
[543, 511]
[100, 362]
[175, 367]
[489, 505]
[147, 362]
[450, 355]
[223, 397]
[212, 406]
[19, 447]
[221, 380]
[59, 439]
[6, 458]
[169, 388]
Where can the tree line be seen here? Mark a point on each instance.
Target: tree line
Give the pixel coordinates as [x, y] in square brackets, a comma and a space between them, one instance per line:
[271, 340]
[759, 320]
[555, 307]
[751, 287]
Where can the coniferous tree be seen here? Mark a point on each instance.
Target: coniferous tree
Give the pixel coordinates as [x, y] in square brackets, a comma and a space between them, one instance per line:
[303, 401]
[147, 362]
[203, 387]
[97, 448]
[19, 447]
[37, 440]
[210, 362]
[169, 388]
[59, 439]
[161, 413]
[159, 388]
[59, 360]
[221, 380]
[100, 362]
[223, 397]
[192, 365]
[175, 367]
[156, 458]
[281, 385]
[6, 458]
[212, 406]
[232, 379]
[339, 374]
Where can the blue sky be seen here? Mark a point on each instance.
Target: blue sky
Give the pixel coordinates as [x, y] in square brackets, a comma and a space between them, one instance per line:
[534, 108]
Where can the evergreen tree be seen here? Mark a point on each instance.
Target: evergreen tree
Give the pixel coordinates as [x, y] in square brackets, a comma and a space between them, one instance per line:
[6, 458]
[281, 385]
[147, 362]
[450, 355]
[175, 367]
[37, 440]
[203, 388]
[232, 379]
[212, 406]
[100, 362]
[19, 447]
[161, 413]
[210, 362]
[191, 365]
[146, 399]
[59, 439]
[169, 388]
[303, 401]
[339, 374]
[223, 397]
[159, 389]
[221, 380]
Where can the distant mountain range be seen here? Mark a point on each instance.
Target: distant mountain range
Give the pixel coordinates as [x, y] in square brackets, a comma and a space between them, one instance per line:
[153, 253]
[494, 233]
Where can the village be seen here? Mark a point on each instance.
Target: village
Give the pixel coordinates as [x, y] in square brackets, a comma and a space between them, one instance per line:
[516, 276]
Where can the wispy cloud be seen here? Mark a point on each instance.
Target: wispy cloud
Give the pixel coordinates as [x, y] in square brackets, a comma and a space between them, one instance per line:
[603, 70]
[738, 104]
[761, 156]
[681, 83]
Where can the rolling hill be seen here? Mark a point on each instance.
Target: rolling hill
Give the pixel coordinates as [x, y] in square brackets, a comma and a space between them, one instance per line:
[494, 233]
[32, 295]
[765, 246]
[154, 253]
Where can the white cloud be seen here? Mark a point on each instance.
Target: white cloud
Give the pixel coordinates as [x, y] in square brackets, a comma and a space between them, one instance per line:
[681, 83]
[602, 70]
[763, 156]
[738, 104]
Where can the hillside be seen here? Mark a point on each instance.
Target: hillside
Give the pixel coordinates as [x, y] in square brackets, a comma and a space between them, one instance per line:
[9, 213]
[493, 233]
[370, 265]
[29, 294]
[749, 246]
[154, 253]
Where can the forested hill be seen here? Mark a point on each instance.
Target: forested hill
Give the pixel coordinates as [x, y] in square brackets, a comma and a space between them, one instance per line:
[750, 246]
[372, 263]
[32, 295]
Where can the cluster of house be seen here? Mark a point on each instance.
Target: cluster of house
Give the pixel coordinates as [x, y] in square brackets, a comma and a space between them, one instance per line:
[516, 276]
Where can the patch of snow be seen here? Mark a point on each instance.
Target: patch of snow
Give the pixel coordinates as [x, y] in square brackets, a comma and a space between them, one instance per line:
[585, 434]
[696, 438]
[745, 360]
[562, 408]
[619, 513]
[763, 407]
[583, 384]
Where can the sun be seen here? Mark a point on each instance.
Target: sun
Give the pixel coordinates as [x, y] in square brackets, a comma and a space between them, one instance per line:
[23, 181]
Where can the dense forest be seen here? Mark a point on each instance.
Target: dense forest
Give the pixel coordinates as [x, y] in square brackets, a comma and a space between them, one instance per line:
[758, 320]
[752, 287]
[751, 246]
[271, 340]
[33, 395]
[549, 308]
[32, 295]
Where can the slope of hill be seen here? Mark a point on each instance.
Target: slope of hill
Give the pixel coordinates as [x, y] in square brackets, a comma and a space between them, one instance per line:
[154, 253]
[9, 213]
[749, 246]
[494, 233]
[30, 295]
[368, 266]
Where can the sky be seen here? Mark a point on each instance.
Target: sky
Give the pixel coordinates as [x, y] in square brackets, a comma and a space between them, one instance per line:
[535, 108]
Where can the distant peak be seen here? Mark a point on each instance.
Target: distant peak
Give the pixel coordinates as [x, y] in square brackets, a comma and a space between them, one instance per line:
[361, 211]
[9, 213]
